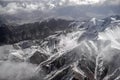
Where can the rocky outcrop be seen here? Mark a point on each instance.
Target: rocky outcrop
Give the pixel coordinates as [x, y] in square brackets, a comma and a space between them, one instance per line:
[38, 57]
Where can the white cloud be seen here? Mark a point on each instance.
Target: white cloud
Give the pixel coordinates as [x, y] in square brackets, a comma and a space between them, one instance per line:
[80, 2]
[17, 6]
[13, 8]
[16, 71]
[10, 8]
[43, 4]
[113, 2]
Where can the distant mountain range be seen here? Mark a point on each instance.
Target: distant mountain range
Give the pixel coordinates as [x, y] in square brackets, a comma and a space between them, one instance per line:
[42, 29]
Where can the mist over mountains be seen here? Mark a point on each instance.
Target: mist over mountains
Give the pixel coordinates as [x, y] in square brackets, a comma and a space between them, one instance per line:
[60, 49]
[59, 39]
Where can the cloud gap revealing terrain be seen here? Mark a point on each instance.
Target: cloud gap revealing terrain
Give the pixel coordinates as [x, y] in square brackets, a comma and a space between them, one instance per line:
[59, 39]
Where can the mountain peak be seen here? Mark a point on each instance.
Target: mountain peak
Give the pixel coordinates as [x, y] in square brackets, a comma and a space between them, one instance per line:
[93, 20]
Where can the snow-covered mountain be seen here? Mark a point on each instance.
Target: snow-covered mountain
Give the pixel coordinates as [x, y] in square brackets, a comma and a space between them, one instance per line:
[57, 49]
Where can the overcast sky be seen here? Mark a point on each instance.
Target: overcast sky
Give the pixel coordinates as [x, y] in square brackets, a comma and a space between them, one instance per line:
[66, 8]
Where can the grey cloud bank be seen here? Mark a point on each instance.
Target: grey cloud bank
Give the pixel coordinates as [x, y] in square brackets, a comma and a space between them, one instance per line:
[77, 9]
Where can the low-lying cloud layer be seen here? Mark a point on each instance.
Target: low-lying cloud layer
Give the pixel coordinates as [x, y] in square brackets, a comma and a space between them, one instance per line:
[16, 71]
[60, 8]
[11, 6]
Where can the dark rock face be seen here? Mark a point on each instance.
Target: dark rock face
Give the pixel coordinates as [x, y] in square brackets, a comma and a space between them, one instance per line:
[38, 57]
[62, 61]
[4, 32]
[62, 68]
[63, 75]
[108, 66]
[25, 45]
[37, 30]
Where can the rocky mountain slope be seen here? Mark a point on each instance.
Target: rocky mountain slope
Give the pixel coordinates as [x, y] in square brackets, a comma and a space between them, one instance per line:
[58, 49]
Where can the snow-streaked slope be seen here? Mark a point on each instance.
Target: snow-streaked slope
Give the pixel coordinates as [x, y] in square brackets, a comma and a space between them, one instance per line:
[85, 50]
